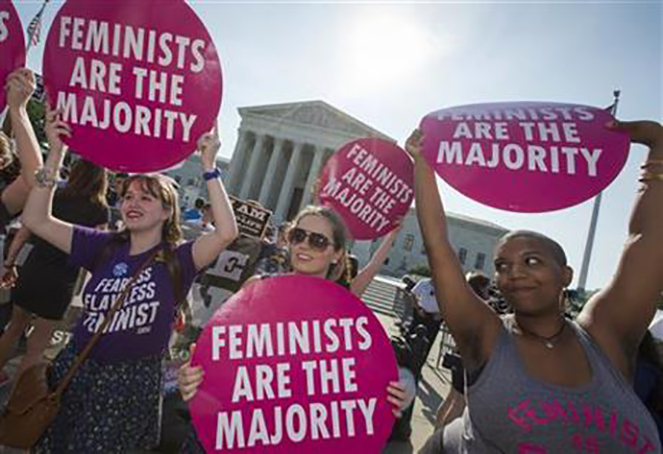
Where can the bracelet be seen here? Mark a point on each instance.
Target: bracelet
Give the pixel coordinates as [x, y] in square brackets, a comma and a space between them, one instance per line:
[651, 163]
[651, 176]
[45, 177]
[212, 174]
[10, 265]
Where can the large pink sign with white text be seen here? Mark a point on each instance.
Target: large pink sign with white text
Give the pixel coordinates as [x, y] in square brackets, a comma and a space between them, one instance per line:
[137, 81]
[370, 183]
[525, 156]
[12, 45]
[294, 364]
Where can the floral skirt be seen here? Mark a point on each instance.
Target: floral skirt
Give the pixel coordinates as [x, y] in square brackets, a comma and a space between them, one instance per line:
[107, 408]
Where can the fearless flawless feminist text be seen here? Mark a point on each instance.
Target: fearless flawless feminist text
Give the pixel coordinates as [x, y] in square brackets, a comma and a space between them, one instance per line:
[344, 338]
[172, 52]
[139, 310]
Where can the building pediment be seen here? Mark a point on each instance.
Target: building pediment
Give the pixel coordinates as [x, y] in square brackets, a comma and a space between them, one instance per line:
[317, 114]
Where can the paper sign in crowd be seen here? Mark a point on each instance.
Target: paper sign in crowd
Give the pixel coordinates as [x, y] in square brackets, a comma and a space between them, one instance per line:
[138, 82]
[370, 183]
[12, 45]
[294, 364]
[528, 157]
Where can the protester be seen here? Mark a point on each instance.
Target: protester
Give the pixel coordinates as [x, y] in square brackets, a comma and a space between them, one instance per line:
[317, 242]
[363, 278]
[112, 404]
[45, 285]
[538, 382]
[20, 85]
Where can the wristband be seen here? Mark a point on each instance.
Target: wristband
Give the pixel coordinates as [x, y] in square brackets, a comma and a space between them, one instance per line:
[212, 174]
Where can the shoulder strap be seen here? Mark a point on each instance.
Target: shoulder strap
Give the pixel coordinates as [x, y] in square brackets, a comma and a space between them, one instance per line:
[109, 317]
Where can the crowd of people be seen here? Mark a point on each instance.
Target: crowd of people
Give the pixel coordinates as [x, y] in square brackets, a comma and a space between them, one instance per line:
[529, 379]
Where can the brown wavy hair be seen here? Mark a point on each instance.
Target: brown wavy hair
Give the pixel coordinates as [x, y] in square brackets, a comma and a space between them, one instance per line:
[163, 188]
[88, 180]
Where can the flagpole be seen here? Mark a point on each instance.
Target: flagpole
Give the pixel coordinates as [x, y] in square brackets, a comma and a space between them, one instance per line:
[582, 281]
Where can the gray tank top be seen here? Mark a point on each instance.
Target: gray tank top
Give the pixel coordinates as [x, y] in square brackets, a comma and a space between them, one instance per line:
[509, 411]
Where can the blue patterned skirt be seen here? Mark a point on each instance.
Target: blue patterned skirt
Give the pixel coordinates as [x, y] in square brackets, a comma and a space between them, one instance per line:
[107, 408]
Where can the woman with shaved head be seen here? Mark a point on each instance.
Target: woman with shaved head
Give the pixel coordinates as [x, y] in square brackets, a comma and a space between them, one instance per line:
[536, 381]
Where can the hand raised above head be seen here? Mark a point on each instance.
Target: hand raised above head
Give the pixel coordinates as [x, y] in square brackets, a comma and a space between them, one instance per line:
[413, 144]
[20, 85]
[56, 128]
[646, 132]
[209, 145]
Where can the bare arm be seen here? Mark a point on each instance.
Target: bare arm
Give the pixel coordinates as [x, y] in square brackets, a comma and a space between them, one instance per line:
[367, 273]
[472, 323]
[20, 86]
[37, 215]
[17, 243]
[209, 245]
[618, 316]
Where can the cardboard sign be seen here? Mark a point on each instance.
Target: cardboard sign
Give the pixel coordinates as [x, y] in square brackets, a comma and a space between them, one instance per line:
[294, 364]
[12, 45]
[525, 156]
[370, 183]
[138, 81]
[252, 220]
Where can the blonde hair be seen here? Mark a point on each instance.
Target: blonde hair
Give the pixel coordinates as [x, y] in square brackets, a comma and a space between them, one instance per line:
[339, 234]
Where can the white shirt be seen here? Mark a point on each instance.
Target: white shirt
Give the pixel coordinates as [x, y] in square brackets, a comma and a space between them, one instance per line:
[425, 293]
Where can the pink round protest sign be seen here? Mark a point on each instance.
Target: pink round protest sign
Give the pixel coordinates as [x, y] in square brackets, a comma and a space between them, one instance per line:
[12, 45]
[138, 81]
[370, 183]
[525, 156]
[294, 364]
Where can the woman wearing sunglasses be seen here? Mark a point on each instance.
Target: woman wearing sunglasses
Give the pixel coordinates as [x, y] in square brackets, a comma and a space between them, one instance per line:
[317, 245]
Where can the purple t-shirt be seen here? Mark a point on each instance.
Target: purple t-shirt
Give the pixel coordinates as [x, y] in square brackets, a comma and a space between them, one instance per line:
[142, 326]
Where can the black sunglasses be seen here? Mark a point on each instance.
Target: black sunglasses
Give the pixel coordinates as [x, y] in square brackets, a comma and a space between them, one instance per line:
[316, 241]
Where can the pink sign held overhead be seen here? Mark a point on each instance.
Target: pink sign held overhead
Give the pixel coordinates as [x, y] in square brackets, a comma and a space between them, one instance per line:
[12, 45]
[294, 364]
[525, 156]
[138, 81]
[370, 183]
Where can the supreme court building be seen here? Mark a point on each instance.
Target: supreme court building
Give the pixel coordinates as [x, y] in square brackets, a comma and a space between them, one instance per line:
[281, 149]
[280, 152]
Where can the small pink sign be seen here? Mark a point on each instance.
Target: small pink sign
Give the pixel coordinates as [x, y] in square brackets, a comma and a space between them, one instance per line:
[12, 45]
[525, 156]
[294, 364]
[138, 81]
[370, 183]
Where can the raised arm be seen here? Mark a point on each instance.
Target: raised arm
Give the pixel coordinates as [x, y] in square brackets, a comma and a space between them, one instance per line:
[209, 245]
[20, 86]
[472, 323]
[366, 274]
[618, 316]
[37, 215]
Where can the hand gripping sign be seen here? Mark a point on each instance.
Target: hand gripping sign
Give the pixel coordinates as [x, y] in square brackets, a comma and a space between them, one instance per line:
[370, 183]
[12, 45]
[294, 364]
[138, 81]
[525, 156]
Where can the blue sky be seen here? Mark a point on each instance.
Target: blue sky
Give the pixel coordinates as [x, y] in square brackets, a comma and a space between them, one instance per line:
[389, 64]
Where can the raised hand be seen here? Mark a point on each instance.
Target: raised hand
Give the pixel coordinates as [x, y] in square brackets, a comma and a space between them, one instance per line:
[56, 129]
[209, 145]
[20, 86]
[413, 144]
[646, 132]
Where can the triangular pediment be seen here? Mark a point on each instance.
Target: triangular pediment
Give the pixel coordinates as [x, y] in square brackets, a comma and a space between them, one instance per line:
[314, 113]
